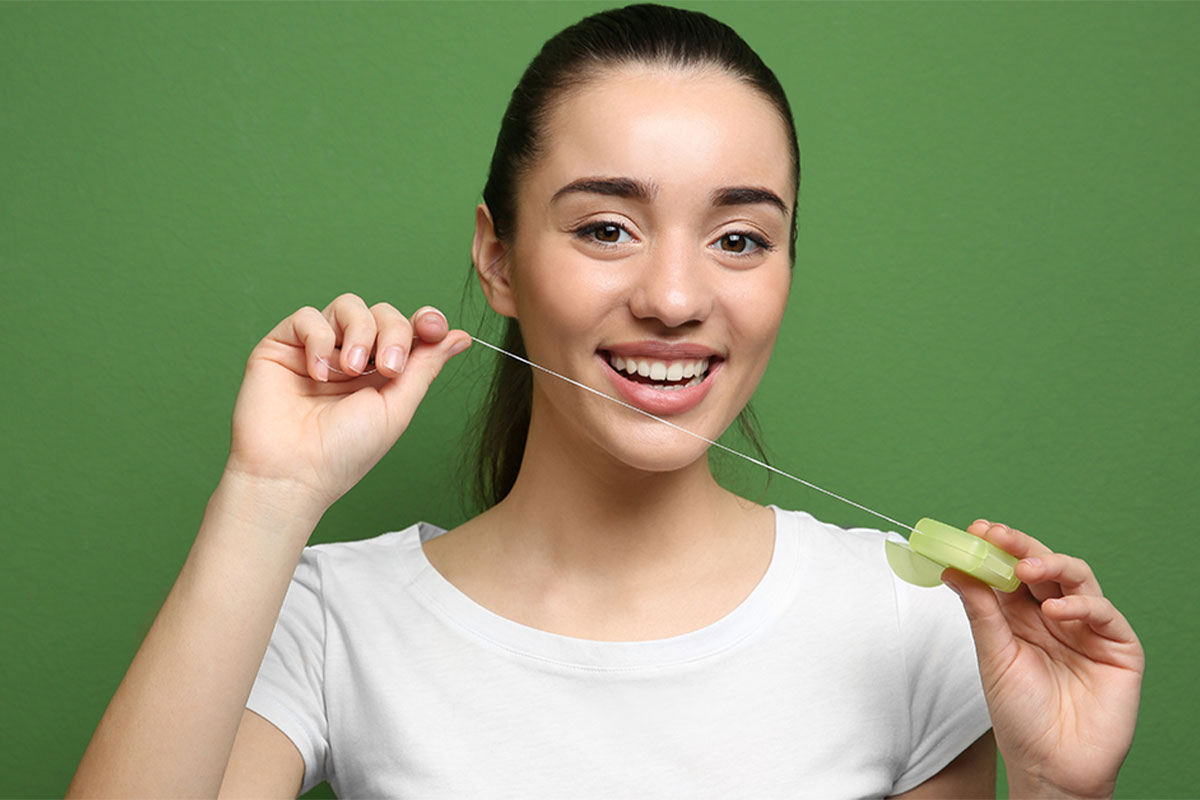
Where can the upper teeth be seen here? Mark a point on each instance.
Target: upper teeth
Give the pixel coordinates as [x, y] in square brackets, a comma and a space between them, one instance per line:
[660, 370]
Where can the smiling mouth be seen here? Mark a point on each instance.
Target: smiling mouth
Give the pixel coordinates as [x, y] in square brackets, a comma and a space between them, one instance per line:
[664, 375]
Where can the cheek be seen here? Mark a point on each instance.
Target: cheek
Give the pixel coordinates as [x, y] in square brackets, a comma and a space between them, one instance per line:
[563, 298]
[755, 308]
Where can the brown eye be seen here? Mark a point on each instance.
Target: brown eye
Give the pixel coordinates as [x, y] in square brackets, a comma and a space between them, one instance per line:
[742, 244]
[605, 233]
[737, 241]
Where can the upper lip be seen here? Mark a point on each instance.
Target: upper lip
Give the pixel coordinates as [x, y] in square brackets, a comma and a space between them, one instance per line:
[663, 350]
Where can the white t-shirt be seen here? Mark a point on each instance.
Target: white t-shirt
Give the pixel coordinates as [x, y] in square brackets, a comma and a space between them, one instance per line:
[832, 679]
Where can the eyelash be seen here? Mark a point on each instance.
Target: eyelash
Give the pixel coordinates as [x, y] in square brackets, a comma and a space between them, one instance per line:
[587, 230]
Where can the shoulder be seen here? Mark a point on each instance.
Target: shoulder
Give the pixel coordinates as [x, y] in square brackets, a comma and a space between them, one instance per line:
[848, 568]
[856, 548]
[378, 557]
[851, 564]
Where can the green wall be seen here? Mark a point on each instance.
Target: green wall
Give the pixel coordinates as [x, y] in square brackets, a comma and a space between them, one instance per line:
[993, 312]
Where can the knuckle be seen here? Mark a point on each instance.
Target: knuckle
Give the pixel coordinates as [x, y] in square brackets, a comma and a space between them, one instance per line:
[320, 333]
[340, 307]
[356, 321]
[384, 307]
[1082, 567]
[1112, 613]
[1087, 606]
[387, 318]
[253, 358]
[398, 326]
[359, 326]
[311, 323]
[1063, 565]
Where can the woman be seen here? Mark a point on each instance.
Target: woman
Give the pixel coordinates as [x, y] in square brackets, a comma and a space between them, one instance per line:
[615, 623]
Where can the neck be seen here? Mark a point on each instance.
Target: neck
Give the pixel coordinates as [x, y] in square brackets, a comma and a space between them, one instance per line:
[589, 519]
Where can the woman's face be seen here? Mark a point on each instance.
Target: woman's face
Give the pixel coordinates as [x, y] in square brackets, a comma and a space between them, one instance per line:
[647, 241]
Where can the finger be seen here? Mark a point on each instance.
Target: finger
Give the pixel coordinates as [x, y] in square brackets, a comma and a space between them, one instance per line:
[1098, 612]
[1010, 540]
[430, 324]
[994, 642]
[309, 330]
[354, 326]
[425, 362]
[1058, 574]
[393, 339]
[1021, 594]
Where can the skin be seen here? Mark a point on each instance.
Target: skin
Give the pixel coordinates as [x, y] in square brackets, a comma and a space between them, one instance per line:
[615, 523]
[615, 515]
[1061, 668]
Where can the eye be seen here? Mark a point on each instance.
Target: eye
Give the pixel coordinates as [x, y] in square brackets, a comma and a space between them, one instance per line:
[608, 233]
[604, 232]
[744, 243]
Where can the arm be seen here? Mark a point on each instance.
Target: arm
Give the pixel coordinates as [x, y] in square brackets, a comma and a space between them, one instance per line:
[171, 724]
[304, 432]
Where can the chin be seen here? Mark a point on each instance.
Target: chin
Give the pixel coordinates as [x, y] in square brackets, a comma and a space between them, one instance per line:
[657, 448]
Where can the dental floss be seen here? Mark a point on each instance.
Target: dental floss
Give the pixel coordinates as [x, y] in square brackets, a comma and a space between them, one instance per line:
[932, 547]
[751, 459]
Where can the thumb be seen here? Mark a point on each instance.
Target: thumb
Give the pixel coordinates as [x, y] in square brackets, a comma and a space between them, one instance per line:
[994, 641]
[403, 394]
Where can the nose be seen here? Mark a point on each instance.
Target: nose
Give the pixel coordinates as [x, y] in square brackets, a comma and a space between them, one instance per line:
[671, 286]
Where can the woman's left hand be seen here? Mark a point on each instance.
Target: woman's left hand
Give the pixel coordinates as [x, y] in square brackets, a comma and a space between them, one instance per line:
[1061, 669]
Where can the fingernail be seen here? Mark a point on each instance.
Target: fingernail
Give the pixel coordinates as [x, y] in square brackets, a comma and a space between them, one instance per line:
[322, 371]
[394, 358]
[458, 348]
[358, 358]
[436, 315]
[1031, 562]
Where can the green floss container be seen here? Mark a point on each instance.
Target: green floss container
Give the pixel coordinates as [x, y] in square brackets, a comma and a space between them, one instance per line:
[935, 545]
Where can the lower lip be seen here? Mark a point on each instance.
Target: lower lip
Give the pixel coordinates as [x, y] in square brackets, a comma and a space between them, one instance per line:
[656, 401]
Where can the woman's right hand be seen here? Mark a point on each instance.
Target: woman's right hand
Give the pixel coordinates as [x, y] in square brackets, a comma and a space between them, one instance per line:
[314, 433]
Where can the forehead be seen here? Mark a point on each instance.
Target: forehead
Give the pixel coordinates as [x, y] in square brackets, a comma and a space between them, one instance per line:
[686, 131]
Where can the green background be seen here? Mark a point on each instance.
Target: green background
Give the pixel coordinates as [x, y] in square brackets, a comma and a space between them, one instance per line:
[993, 311]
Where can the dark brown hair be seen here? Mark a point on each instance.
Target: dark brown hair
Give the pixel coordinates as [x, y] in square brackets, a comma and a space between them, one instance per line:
[644, 33]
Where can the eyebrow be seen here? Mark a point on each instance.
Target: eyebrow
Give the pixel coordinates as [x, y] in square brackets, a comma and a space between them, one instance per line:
[633, 189]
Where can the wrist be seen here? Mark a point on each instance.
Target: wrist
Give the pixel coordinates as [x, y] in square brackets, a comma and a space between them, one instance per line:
[279, 506]
[1026, 787]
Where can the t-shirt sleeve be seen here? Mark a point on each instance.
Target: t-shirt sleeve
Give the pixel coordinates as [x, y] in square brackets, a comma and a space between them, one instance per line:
[947, 709]
[289, 690]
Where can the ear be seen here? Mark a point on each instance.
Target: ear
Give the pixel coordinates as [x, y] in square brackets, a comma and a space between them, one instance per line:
[491, 264]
